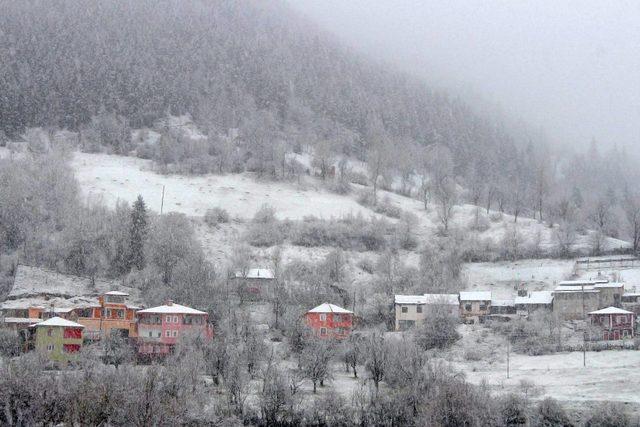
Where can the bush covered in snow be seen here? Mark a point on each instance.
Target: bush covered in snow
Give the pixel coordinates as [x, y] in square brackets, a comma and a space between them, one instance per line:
[215, 216]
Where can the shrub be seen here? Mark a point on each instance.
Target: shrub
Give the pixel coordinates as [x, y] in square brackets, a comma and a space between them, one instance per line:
[339, 187]
[549, 413]
[473, 355]
[264, 215]
[9, 343]
[388, 209]
[267, 234]
[366, 265]
[438, 330]
[215, 216]
[496, 217]
[358, 178]
[608, 414]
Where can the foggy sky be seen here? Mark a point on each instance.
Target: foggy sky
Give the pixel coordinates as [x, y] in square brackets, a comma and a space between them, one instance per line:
[569, 67]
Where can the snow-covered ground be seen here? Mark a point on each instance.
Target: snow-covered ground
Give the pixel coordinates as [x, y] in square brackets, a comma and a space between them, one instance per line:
[109, 178]
[608, 375]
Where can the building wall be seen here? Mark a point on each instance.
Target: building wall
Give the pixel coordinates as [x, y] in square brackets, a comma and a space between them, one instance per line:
[170, 329]
[474, 308]
[330, 324]
[568, 305]
[416, 313]
[52, 345]
[611, 297]
[615, 326]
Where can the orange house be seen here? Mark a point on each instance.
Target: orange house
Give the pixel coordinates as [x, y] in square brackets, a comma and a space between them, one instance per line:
[111, 314]
[328, 321]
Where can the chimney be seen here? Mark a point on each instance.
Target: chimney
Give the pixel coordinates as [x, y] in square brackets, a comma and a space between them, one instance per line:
[169, 302]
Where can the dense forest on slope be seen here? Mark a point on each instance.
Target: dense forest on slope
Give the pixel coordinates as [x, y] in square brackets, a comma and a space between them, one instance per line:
[229, 64]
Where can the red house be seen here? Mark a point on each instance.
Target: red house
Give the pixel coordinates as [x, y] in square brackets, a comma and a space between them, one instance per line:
[160, 328]
[329, 321]
[615, 323]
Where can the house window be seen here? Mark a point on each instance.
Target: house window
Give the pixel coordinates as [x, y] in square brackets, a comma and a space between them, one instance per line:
[108, 313]
[483, 307]
[167, 334]
[50, 347]
[405, 309]
[175, 319]
[323, 331]
[168, 319]
[467, 307]
[71, 348]
[150, 334]
[323, 317]
[418, 309]
[337, 318]
[120, 314]
[159, 334]
[49, 332]
[175, 334]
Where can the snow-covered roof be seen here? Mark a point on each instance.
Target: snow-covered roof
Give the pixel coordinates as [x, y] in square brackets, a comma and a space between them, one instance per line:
[475, 296]
[575, 289]
[329, 308]
[578, 282]
[256, 273]
[609, 285]
[611, 310]
[59, 321]
[117, 293]
[536, 297]
[448, 299]
[502, 302]
[172, 309]
[410, 299]
[30, 321]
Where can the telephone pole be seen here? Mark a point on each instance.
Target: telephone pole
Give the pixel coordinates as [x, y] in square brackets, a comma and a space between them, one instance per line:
[162, 201]
[508, 353]
[584, 333]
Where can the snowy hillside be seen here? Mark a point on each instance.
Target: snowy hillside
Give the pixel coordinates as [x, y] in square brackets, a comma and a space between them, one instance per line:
[109, 178]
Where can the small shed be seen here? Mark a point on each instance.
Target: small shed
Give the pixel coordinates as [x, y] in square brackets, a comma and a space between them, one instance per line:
[536, 300]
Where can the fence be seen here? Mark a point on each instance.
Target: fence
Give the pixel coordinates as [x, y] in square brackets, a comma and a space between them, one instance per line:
[619, 263]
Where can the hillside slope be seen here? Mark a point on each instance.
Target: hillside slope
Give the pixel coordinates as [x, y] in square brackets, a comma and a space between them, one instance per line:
[257, 66]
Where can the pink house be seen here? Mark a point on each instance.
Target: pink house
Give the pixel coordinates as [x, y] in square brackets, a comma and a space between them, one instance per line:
[159, 328]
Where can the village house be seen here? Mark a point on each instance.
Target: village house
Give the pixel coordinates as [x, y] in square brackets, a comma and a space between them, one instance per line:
[534, 301]
[254, 281]
[631, 301]
[111, 314]
[502, 307]
[160, 328]
[58, 339]
[573, 302]
[328, 321]
[411, 310]
[610, 293]
[474, 305]
[613, 323]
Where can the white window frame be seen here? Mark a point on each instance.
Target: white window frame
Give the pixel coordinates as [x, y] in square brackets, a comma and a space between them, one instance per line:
[167, 334]
[175, 333]
[175, 319]
[167, 319]
[50, 347]
[323, 317]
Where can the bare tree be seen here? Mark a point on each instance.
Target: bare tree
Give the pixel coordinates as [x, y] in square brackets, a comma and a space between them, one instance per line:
[378, 158]
[632, 213]
[377, 353]
[315, 361]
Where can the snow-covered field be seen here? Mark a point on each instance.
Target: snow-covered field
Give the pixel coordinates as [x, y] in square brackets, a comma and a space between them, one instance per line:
[608, 375]
[109, 178]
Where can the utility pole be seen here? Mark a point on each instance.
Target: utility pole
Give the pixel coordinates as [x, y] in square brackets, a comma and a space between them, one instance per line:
[508, 353]
[162, 200]
[584, 334]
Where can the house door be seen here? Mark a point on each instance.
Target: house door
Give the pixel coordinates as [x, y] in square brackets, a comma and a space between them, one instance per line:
[616, 335]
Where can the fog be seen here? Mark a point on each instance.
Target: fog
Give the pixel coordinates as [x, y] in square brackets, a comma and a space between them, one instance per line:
[570, 68]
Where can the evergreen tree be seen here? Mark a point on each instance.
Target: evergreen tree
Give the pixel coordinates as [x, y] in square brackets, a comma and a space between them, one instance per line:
[138, 233]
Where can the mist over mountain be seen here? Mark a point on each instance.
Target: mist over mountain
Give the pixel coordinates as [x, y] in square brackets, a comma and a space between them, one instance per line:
[230, 65]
